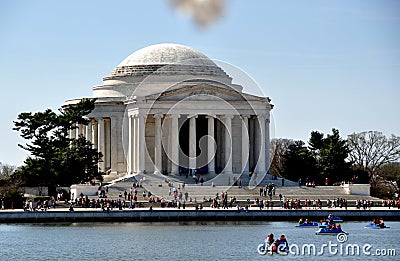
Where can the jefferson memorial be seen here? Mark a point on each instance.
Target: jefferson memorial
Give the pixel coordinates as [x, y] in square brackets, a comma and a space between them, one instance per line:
[168, 109]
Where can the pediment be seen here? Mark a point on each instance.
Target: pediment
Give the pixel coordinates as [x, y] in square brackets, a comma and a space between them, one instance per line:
[201, 92]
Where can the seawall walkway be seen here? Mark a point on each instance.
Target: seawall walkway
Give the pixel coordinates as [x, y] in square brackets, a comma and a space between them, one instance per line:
[190, 214]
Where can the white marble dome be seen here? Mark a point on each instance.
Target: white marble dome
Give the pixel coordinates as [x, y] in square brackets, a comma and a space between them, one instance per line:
[167, 53]
[166, 59]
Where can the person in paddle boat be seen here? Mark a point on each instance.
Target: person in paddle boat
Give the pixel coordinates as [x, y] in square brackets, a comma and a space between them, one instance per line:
[276, 245]
[267, 246]
[376, 223]
[305, 222]
[331, 231]
[283, 240]
[309, 223]
[323, 223]
[334, 218]
[270, 239]
[272, 244]
[331, 224]
[381, 223]
[280, 245]
[330, 217]
[338, 227]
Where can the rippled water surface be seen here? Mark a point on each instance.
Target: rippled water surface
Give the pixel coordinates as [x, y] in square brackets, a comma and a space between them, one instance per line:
[180, 241]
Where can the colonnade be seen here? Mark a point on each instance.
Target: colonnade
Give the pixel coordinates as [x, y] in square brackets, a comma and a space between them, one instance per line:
[137, 147]
[106, 136]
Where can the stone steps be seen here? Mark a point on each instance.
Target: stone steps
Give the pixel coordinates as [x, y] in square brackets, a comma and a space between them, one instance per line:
[161, 185]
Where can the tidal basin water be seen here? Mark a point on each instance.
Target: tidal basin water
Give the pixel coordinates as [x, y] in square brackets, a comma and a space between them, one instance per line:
[181, 241]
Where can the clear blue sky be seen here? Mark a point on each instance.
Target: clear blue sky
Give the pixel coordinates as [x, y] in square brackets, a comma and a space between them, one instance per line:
[324, 64]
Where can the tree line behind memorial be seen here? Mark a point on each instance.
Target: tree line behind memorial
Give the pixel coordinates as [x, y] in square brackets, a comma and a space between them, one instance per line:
[366, 157]
[56, 160]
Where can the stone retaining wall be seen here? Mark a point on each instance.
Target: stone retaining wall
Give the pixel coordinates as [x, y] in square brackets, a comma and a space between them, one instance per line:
[357, 189]
[145, 215]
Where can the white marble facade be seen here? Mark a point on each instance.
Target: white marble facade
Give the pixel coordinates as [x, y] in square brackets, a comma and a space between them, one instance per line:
[167, 108]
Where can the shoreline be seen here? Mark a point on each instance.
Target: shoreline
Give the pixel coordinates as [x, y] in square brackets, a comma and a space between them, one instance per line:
[188, 214]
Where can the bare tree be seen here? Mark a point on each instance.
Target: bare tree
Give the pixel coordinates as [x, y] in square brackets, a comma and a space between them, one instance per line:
[372, 150]
[6, 171]
[390, 174]
[278, 149]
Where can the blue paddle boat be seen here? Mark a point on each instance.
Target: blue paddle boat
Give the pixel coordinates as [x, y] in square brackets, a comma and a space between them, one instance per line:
[330, 231]
[373, 225]
[308, 224]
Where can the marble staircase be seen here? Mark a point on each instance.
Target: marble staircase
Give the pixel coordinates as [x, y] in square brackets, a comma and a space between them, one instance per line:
[161, 186]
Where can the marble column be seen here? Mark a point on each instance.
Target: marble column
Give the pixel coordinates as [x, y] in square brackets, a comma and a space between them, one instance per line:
[107, 144]
[174, 144]
[114, 122]
[192, 142]
[95, 134]
[122, 134]
[267, 145]
[157, 145]
[252, 154]
[129, 153]
[228, 144]
[245, 143]
[79, 130]
[141, 141]
[89, 131]
[100, 142]
[261, 159]
[135, 148]
[211, 146]
[72, 132]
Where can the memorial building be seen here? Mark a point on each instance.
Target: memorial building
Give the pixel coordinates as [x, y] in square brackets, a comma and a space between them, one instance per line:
[169, 109]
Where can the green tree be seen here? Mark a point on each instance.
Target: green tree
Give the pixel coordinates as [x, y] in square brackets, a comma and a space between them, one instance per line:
[55, 159]
[325, 157]
[299, 162]
[331, 153]
[316, 141]
[81, 159]
[11, 197]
